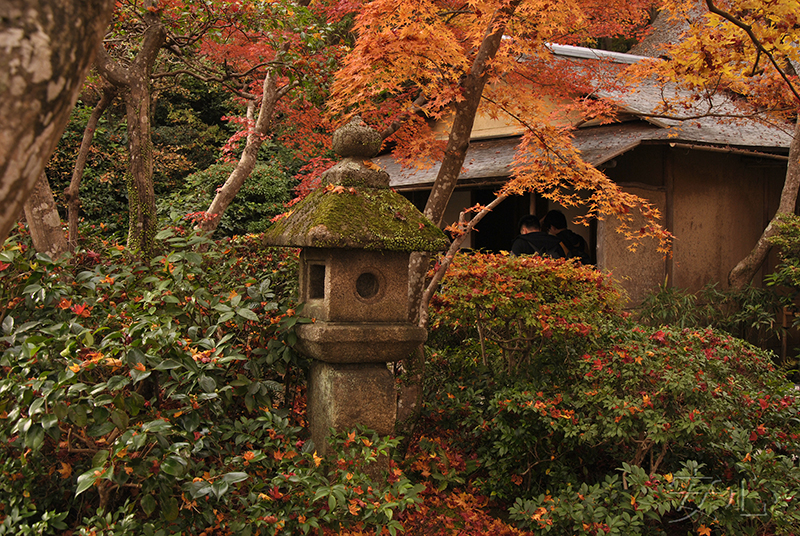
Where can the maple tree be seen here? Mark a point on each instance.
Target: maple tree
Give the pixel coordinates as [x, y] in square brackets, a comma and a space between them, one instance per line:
[417, 63]
[748, 49]
[48, 49]
[439, 61]
[291, 51]
[259, 52]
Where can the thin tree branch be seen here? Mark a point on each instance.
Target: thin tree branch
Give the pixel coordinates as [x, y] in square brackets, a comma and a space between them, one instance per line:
[754, 39]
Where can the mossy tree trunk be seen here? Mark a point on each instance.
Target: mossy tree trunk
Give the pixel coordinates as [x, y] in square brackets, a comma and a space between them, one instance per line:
[133, 80]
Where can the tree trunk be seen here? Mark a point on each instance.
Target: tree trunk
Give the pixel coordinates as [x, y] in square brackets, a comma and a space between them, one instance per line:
[457, 144]
[743, 272]
[410, 395]
[43, 220]
[134, 79]
[73, 192]
[47, 49]
[225, 195]
[142, 219]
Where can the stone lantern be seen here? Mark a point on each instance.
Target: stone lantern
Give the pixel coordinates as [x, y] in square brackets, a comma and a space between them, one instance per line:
[356, 236]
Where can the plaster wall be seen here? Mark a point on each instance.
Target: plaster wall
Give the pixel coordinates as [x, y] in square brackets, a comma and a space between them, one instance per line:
[641, 271]
[721, 205]
[716, 204]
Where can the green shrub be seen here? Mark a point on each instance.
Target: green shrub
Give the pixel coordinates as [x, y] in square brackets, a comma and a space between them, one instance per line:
[787, 273]
[161, 398]
[629, 430]
[260, 199]
[519, 312]
[750, 313]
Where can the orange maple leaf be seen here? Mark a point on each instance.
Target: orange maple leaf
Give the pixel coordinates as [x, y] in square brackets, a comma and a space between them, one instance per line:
[372, 165]
[65, 471]
[704, 531]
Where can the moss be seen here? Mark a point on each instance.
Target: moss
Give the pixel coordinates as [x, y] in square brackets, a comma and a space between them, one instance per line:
[363, 218]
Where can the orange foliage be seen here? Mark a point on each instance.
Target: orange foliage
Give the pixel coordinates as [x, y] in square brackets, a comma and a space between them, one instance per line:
[745, 48]
[429, 47]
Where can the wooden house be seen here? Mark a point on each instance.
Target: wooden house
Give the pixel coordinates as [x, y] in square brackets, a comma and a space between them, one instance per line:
[717, 184]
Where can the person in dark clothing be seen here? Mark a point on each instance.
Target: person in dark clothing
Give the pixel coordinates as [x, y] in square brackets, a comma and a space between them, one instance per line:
[555, 223]
[532, 240]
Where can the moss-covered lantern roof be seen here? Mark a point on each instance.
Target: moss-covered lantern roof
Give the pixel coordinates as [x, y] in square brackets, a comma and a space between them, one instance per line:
[355, 208]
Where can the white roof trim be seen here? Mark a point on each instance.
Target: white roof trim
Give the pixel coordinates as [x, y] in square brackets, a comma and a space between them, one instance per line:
[594, 54]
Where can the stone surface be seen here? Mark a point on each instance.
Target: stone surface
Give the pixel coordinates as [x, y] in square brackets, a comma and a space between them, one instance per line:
[359, 342]
[339, 285]
[357, 172]
[356, 139]
[343, 395]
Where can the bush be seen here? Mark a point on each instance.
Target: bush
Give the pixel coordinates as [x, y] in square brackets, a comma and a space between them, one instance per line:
[165, 398]
[750, 313]
[627, 430]
[787, 273]
[521, 312]
[260, 199]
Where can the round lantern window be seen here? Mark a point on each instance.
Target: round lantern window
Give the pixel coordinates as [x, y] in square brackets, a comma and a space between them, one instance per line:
[368, 286]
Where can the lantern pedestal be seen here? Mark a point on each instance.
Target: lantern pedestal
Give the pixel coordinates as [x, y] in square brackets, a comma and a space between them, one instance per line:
[342, 395]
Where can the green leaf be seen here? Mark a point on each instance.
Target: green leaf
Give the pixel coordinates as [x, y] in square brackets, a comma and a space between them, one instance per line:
[171, 510]
[194, 258]
[234, 477]
[168, 364]
[219, 488]
[8, 324]
[156, 426]
[49, 421]
[87, 480]
[120, 419]
[100, 458]
[174, 466]
[100, 429]
[190, 421]
[117, 382]
[207, 383]
[78, 415]
[246, 313]
[139, 375]
[148, 503]
[198, 489]
[34, 437]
